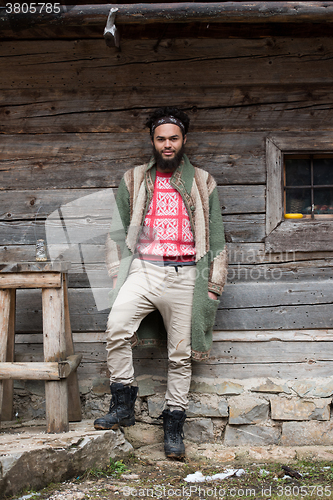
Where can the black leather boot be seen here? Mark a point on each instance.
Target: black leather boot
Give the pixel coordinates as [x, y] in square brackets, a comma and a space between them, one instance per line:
[173, 422]
[121, 410]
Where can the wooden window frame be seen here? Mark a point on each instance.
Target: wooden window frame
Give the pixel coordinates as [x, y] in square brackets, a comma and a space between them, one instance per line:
[283, 235]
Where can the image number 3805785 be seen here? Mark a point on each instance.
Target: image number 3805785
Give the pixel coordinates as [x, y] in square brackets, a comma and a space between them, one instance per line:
[33, 8]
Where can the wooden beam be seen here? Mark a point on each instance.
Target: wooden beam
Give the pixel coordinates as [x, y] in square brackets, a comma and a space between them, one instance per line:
[30, 280]
[227, 12]
[8, 385]
[69, 365]
[29, 371]
[25, 370]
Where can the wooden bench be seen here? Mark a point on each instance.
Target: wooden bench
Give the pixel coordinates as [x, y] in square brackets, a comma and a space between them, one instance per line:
[60, 363]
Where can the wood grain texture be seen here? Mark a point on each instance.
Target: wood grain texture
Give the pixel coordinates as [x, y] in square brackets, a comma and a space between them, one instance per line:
[133, 13]
[239, 253]
[240, 107]
[8, 385]
[74, 403]
[38, 204]
[290, 303]
[54, 344]
[76, 161]
[29, 371]
[194, 62]
[96, 338]
[30, 280]
[307, 236]
[6, 346]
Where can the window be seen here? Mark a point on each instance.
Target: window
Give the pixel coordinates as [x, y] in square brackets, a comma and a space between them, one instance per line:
[299, 181]
[308, 186]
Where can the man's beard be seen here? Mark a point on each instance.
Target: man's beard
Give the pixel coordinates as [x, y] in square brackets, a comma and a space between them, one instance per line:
[169, 163]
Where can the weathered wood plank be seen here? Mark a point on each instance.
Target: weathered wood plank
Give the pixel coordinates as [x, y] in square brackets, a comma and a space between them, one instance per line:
[274, 208]
[74, 403]
[227, 352]
[8, 385]
[269, 335]
[271, 352]
[249, 370]
[239, 253]
[314, 272]
[304, 62]
[251, 294]
[21, 340]
[38, 204]
[245, 228]
[173, 31]
[54, 345]
[305, 236]
[288, 305]
[163, 13]
[75, 161]
[278, 317]
[30, 280]
[94, 371]
[29, 371]
[96, 368]
[29, 205]
[5, 341]
[242, 107]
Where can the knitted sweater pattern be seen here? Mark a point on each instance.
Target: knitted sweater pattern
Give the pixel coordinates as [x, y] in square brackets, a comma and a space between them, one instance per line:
[166, 230]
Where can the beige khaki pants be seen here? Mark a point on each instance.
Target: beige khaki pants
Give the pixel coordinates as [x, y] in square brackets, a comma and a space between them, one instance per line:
[149, 287]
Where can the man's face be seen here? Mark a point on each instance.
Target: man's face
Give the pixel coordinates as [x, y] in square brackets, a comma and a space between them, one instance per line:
[168, 143]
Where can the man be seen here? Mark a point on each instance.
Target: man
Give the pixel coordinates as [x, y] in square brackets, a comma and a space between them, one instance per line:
[168, 234]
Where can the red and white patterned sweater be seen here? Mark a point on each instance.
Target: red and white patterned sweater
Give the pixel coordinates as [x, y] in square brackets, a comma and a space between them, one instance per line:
[166, 231]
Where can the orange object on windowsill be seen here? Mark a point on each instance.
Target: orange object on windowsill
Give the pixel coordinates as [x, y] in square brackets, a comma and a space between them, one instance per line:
[293, 216]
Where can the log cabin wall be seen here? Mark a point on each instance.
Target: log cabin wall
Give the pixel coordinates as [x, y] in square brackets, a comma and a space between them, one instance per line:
[72, 122]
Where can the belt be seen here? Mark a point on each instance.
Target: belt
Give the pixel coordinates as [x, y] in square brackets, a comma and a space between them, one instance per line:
[163, 263]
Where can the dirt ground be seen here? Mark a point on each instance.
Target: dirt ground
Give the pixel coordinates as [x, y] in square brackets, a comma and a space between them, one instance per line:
[142, 478]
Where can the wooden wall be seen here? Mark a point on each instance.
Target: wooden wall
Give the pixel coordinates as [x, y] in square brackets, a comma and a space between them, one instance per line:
[72, 116]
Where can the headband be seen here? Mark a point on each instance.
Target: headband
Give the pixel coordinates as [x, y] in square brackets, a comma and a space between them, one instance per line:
[167, 119]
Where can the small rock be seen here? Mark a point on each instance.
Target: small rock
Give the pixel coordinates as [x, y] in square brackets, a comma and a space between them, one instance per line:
[130, 476]
[274, 454]
[300, 409]
[323, 391]
[307, 433]
[251, 435]
[229, 389]
[247, 410]
[142, 434]
[303, 387]
[271, 387]
[199, 430]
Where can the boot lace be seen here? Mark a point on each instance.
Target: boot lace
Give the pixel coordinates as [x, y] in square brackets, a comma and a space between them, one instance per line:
[175, 427]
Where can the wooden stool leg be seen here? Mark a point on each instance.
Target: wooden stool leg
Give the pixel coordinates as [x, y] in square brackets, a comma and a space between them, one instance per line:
[5, 323]
[8, 385]
[74, 403]
[55, 350]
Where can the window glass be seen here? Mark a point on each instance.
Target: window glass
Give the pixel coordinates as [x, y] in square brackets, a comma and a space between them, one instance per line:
[308, 186]
[323, 171]
[323, 200]
[298, 201]
[298, 172]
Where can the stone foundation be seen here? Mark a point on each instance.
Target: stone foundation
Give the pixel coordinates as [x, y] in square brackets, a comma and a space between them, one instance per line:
[250, 412]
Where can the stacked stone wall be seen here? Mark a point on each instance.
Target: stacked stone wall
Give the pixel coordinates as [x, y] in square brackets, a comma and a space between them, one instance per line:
[249, 412]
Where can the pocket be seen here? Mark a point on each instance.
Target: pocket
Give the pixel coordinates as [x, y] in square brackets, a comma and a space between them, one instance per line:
[211, 308]
[134, 266]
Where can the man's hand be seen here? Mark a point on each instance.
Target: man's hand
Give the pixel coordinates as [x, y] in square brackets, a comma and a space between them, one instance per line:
[213, 295]
[114, 282]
